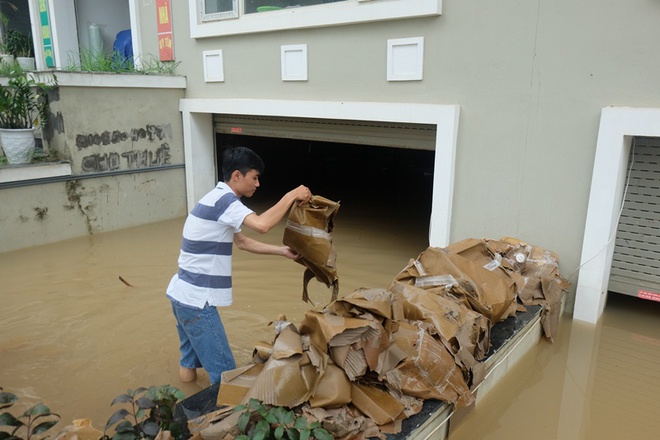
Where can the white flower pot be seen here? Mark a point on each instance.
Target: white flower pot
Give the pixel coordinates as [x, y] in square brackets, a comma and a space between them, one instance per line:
[6, 58]
[26, 63]
[18, 144]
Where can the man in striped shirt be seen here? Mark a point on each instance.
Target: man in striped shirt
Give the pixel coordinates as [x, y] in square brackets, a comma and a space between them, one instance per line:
[203, 281]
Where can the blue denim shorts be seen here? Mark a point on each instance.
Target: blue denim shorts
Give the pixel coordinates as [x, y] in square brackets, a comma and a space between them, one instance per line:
[203, 339]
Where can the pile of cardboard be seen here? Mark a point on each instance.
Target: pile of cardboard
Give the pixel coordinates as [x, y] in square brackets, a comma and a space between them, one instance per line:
[369, 359]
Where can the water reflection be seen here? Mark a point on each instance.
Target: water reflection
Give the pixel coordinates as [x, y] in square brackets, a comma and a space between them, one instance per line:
[594, 382]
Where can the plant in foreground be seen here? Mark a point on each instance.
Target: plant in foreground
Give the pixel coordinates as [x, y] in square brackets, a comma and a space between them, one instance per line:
[36, 420]
[150, 411]
[260, 422]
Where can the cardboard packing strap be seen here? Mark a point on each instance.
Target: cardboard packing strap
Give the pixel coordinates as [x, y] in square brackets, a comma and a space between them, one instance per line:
[307, 232]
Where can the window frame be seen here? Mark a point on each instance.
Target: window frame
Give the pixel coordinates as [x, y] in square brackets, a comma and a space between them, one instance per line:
[327, 14]
[215, 16]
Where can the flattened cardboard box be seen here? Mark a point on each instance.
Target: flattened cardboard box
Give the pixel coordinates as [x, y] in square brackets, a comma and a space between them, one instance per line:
[235, 384]
[379, 405]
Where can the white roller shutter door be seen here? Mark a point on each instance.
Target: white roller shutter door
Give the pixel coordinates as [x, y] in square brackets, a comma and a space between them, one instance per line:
[636, 261]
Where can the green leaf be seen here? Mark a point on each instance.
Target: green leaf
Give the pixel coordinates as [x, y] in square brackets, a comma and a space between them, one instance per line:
[151, 429]
[283, 416]
[255, 405]
[301, 423]
[243, 420]
[315, 425]
[124, 427]
[43, 427]
[117, 416]
[242, 437]
[293, 434]
[145, 402]
[279, 432]
[288, 417]
[122, 398]
[125, 436]
[259, 435]
[37, 410]
[271, 418]
[263, 426]
[7, 419]
[304, 434]
[322, 434]
[7, 399]
[240, 408]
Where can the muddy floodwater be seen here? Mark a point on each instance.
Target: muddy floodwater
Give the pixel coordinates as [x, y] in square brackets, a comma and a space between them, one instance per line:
[73, 335]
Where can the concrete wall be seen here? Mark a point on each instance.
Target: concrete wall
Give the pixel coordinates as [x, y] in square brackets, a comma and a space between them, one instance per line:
[530, 77]
[125, 146]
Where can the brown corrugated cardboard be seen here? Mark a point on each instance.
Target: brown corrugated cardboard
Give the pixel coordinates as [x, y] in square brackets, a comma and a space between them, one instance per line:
[431, 374]
[377, 404]
[384, 351]
[333, 390]
[235, 384]
[461, 329]
[308, 233]
[439, 271]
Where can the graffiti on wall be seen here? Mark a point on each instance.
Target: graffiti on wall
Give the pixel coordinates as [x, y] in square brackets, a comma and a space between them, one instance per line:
[133, 159]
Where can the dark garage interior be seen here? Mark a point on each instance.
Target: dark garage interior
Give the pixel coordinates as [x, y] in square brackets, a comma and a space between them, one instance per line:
[383, 180]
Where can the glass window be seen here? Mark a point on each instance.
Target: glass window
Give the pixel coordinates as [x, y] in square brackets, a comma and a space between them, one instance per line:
[252, 6]
[219, 9]
[215, 18]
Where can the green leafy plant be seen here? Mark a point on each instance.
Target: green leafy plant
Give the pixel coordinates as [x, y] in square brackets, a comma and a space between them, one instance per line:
[260, 422]
[7, 69]
[149, 411]
[4, 23]
[93, 61]
[23, 101]
[151, 65]
[18, 43]
[35, 421]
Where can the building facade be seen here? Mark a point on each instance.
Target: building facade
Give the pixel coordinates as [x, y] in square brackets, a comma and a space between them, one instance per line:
[531, 108]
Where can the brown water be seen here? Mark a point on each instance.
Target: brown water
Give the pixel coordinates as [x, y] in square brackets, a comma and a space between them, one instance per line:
[594, 383]
[73, 336]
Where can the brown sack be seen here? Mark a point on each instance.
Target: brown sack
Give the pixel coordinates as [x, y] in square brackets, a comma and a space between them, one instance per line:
[307, 232]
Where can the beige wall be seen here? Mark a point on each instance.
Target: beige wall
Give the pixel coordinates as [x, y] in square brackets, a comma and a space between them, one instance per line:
[125, 146]
[39, 214]
[530, 77]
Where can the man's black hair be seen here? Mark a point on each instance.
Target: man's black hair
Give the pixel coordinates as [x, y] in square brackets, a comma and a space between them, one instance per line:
[242, 159]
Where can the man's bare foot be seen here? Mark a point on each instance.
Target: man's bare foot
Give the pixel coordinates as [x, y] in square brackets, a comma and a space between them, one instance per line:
[187, 374]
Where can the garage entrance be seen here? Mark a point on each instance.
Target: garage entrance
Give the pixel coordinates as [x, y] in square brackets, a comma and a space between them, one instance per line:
[383, 169]
[636, 260]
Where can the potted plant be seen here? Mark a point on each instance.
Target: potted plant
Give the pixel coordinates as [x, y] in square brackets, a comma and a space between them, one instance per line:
[5, 56]
[23, 103]
[19, 44]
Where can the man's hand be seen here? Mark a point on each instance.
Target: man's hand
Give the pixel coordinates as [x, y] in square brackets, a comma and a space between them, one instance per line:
[290, 253]
[302, 194]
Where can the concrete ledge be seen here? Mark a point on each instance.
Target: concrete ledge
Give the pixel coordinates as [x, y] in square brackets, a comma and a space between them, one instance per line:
[18, 173]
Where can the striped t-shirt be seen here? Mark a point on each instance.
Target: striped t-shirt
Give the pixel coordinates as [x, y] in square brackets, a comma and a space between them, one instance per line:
[205, 258]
